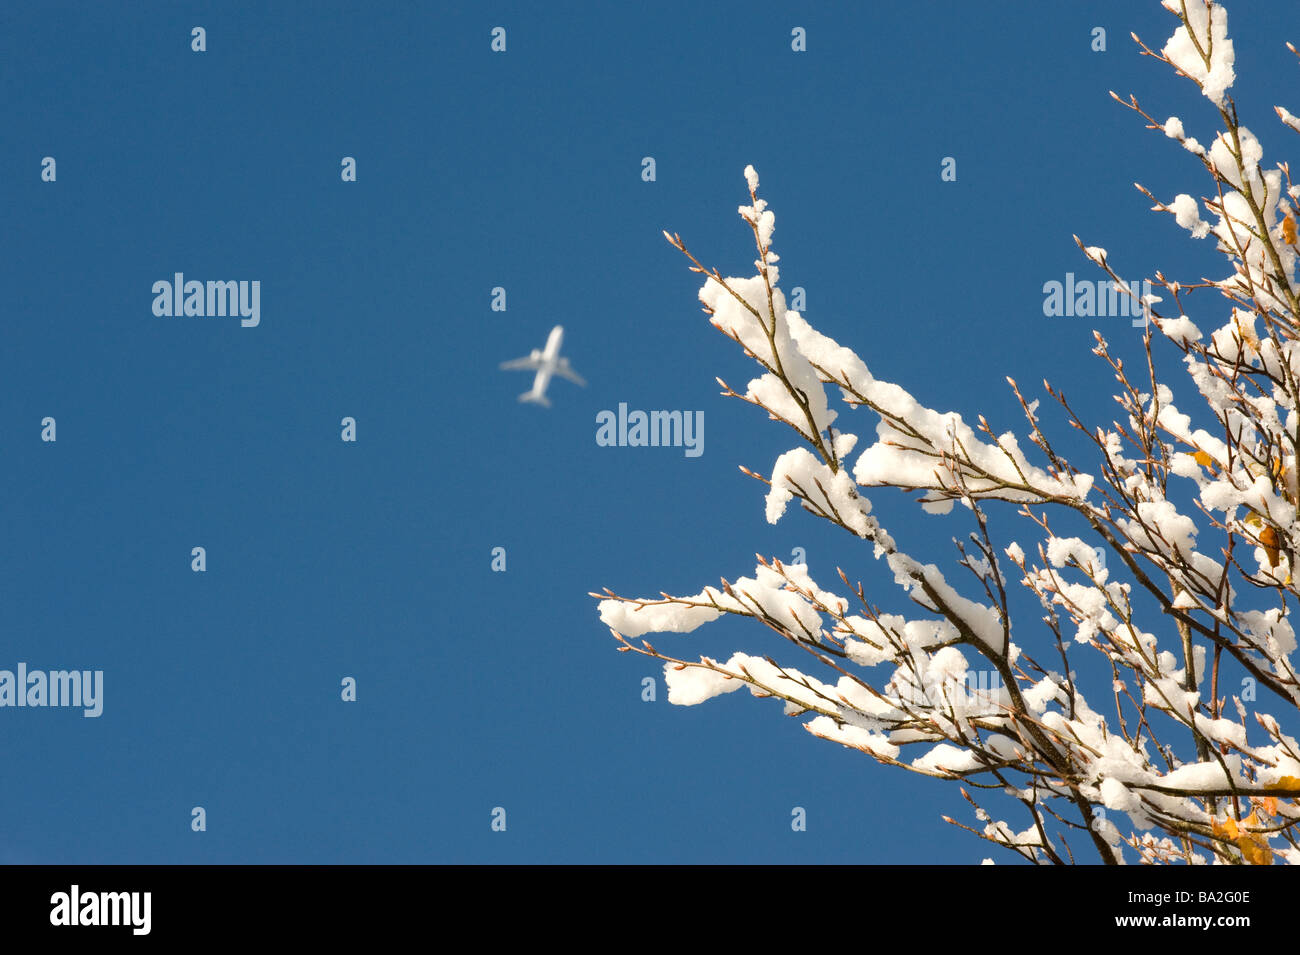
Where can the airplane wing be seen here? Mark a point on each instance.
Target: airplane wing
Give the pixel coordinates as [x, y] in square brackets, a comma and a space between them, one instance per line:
[519, 364]
[564, 371]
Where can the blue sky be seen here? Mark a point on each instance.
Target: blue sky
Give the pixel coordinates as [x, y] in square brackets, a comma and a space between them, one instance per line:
[372, 559]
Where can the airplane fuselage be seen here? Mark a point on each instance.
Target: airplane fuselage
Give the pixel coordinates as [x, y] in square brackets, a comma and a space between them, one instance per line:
[549, 358]
[545, 363]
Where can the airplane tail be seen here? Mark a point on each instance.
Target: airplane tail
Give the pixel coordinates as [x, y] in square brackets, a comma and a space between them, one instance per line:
[535, 398]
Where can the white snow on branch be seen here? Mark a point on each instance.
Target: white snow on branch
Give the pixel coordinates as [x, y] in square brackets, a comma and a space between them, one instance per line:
[921, 580]
[756, 332]
[1181, 330]
[799, 471]
[946, 758]
[1205, 54]
[1187, 215]
[692, 685]
[633, 621]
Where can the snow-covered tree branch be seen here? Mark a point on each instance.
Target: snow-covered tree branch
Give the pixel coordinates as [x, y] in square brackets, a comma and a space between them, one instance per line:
[1180, 584]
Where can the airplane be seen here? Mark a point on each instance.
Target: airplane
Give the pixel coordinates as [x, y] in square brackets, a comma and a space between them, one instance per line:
[546, 362]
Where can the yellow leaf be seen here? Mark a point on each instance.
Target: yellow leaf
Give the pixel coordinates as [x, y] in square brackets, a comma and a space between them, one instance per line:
[1286, 782]
[1288, 230]
[1255, 850]
[1268, 538]
[1227, 828]
[1252, 520]
[1253, 845]
[1203, 459]
[1246, 335]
